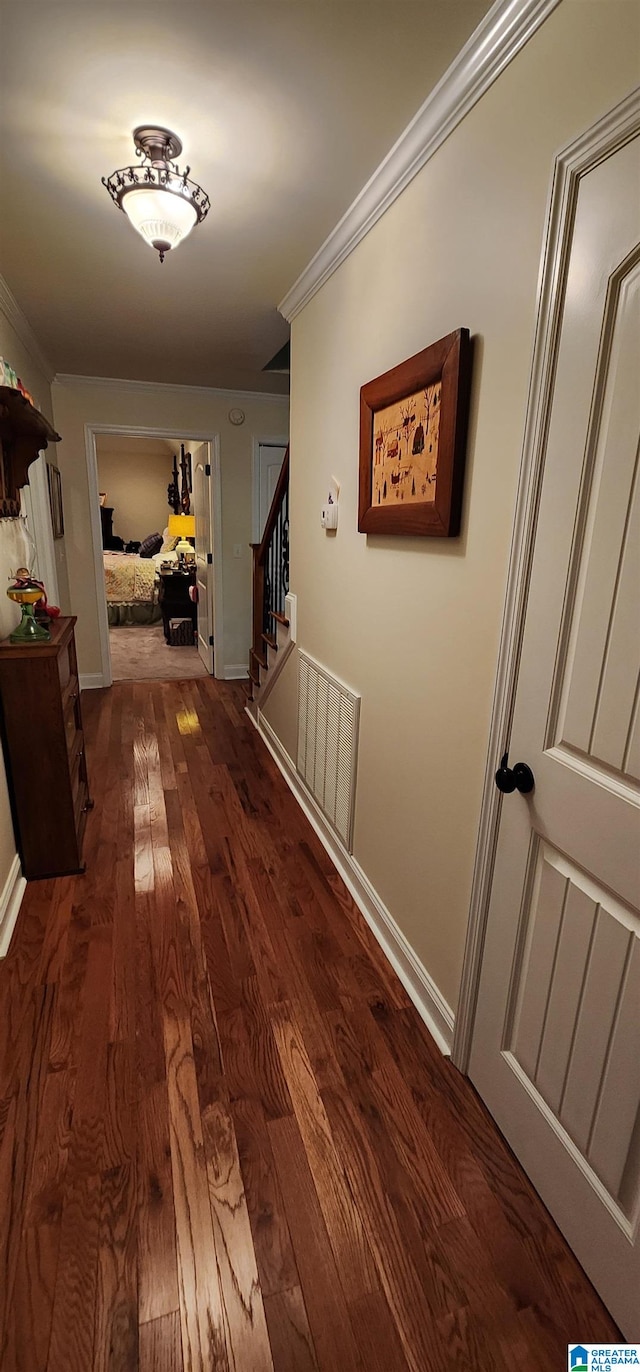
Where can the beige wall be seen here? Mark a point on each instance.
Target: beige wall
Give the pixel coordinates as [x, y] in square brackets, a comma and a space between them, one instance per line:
[413, 625]
[180, 410]
[14, 550]
[281, 707]
[135, 473]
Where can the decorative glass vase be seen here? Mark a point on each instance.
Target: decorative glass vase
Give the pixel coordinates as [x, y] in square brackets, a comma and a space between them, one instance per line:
[28, 630]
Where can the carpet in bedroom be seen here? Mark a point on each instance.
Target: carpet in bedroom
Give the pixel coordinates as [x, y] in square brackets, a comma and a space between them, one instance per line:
[139, 653]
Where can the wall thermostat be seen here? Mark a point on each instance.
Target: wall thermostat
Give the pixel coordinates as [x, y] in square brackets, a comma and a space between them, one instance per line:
[330, 507]
[236, 416]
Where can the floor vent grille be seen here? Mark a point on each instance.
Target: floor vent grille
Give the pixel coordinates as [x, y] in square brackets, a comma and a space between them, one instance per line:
[328, 717]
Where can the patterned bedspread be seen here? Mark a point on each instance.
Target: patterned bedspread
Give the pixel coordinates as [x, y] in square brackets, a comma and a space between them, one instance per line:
[130, 579]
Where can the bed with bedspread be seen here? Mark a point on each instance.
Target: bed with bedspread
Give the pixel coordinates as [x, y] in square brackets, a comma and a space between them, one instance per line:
[132, 584]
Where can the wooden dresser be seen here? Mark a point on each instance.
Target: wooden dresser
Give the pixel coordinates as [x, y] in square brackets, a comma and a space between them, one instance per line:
[44, 751]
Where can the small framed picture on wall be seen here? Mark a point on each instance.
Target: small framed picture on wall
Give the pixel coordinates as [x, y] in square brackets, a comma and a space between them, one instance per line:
[413, 437]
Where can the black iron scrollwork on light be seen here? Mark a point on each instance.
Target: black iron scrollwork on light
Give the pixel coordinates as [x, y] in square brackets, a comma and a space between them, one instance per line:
[120, 182]
[157, 148]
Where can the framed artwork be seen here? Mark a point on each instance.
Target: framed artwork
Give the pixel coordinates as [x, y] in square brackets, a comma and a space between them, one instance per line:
[413, 435]
[55, 500]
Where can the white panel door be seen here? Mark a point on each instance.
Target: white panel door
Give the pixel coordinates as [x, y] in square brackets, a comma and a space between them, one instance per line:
[556, 1048]
[271, 458]
[203, 511]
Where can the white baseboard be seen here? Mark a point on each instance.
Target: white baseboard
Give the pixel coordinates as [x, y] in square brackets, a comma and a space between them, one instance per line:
[236, 671]
[10, 902]
[428, 1000]
[91, 681]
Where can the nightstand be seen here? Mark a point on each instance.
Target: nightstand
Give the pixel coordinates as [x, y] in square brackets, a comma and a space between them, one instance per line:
[174, 598]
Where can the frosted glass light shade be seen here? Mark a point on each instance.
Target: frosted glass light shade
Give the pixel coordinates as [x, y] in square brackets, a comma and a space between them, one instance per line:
[160, 217]
[158, 199]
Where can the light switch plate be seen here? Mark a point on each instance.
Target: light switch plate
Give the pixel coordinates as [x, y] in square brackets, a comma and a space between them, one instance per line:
[237, 550]
[291, 612]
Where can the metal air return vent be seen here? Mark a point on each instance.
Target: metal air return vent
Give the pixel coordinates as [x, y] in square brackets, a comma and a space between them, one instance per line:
[328, 718]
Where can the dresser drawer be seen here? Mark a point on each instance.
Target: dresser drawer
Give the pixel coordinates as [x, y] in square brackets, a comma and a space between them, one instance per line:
[80, 803]
[67, 664]
[77, 765]
[64, 667]
[71, 712]
[79, 782]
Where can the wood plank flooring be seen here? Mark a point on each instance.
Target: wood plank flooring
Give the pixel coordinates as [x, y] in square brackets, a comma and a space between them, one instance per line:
[227, 1142]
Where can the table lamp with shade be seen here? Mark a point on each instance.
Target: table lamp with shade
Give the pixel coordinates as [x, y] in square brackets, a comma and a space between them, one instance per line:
[183, 526]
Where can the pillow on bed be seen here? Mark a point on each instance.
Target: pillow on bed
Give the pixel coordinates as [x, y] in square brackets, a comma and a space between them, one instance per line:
[168, 544]
[161, 558]
[150, 545]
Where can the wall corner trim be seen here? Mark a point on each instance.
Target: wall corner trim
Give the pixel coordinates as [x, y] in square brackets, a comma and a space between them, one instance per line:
[12, 312]
[428, 1000]
[505, 29]
[10, 902]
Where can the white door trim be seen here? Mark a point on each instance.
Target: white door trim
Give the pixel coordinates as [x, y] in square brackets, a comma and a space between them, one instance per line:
[599, 142]
[176, 435]
[10, 902]
[216, 610]
[256, 443]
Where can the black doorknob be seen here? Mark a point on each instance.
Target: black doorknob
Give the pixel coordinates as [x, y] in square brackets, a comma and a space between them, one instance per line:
[518, 778]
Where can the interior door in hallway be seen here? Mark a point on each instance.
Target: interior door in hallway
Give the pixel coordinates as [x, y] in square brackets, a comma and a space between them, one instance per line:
[203, 511]
[556, 1048]
[270, 458]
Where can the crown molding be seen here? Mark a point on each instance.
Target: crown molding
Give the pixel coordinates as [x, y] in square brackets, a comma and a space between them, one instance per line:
[122, 384]
[12, 312]
[505, 29]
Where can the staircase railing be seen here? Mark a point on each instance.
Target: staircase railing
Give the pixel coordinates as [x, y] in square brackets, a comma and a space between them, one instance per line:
[270, 575]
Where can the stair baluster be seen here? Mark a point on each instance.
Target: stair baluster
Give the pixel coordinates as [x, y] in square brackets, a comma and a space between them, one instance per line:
[270, 576]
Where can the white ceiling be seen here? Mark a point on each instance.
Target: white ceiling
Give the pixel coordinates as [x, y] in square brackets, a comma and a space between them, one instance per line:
[284, 107]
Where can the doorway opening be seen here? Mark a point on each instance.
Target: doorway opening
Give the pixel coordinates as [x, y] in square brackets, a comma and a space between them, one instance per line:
[159, 599]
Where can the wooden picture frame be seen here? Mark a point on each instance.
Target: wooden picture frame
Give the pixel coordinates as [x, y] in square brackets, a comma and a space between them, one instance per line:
[55, 500]
[413, 436]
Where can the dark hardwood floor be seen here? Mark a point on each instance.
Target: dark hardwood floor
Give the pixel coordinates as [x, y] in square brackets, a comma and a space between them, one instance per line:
[227, 1142]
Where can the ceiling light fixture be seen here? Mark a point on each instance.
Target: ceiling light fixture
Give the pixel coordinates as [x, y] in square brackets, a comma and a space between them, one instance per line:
[158, 199]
